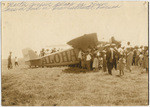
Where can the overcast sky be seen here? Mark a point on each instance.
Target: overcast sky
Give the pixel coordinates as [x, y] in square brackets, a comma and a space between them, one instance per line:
[40, 28]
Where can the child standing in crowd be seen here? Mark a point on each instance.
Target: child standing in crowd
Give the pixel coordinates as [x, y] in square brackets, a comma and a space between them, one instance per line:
[140, 62]
[121, 64]
[16, 61]
[95, 63]
[100, 62]
[137, 57]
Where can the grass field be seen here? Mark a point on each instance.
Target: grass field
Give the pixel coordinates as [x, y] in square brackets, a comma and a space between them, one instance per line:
[60, 87]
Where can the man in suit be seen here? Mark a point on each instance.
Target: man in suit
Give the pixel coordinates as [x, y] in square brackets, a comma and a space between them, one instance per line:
[109, 58]
[9, 61]
[117, 54]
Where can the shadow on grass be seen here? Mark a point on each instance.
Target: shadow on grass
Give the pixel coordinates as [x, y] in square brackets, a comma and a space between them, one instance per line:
[77, 70]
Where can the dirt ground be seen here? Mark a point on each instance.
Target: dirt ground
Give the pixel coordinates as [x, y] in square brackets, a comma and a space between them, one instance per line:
[56, 86]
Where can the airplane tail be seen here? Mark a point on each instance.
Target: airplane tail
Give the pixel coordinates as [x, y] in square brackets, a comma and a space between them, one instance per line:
[29, 54]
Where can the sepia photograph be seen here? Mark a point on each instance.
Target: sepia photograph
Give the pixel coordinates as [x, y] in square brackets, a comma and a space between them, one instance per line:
[74, 53]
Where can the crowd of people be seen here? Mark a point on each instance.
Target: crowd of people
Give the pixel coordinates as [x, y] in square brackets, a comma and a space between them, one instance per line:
[114, 56]
[44, 52]
[111, 56]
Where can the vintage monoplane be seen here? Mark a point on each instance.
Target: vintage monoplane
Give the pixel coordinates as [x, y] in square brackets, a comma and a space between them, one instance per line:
[65, 57]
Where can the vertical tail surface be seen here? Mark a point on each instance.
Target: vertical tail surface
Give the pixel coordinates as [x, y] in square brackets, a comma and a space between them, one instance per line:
[29, 54]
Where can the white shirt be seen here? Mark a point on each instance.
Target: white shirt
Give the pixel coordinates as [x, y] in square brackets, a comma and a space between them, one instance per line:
[111, 49]
[128, 46]
[88, 57]
[16, 59]
[120, 50]
[138, 52]
[141, 56]
[80, 55]
[98, 54]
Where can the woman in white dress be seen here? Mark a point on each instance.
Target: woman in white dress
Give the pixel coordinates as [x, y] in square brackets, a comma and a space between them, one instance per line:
[95, 63]
[129, 60]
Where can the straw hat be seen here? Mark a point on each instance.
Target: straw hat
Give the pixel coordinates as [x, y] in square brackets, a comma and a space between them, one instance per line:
[113, 44]
[104, 51]
[107, 45]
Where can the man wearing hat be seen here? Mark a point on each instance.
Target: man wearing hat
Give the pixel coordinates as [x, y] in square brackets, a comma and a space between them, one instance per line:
[109, 58]
[104, 61]
[9, 61]
[115, 55]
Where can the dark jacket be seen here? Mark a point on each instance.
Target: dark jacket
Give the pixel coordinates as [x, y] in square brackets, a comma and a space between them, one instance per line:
[108, 57]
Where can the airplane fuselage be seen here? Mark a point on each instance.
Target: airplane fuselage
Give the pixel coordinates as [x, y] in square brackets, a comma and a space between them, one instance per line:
[67, 57]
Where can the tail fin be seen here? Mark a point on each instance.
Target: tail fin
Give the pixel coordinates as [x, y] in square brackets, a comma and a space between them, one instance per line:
[29, 54]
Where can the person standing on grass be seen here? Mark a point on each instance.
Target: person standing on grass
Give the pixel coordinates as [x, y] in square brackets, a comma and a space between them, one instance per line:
[104, 62]
[137, 56]
[146, 60]
[83, 61]
[9, 61]
[134, 55]
[95, 63]
[120, 65]
[116, 57]
[141, 57]
[88, 61]
[92, 58]
[129, 59]
[16, 61]
[109, 58]
[80, 58]
[100, 60]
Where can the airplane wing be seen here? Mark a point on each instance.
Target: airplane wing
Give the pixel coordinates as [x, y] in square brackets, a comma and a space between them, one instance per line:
[84, 42]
